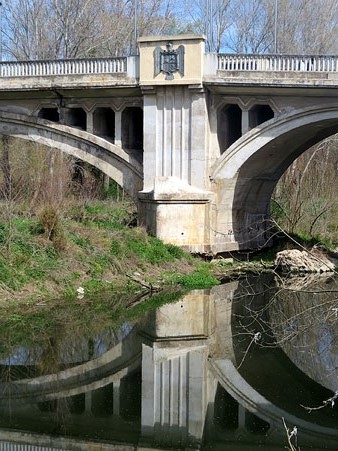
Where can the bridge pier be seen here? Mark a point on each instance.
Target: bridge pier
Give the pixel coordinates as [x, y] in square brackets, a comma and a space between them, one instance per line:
[176, 204]
[177, 214]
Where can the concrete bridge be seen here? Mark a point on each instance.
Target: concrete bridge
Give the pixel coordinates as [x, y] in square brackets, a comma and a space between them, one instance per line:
[198, 140]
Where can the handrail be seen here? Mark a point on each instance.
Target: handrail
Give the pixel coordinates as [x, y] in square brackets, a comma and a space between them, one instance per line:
[63, 67]
[269, 62]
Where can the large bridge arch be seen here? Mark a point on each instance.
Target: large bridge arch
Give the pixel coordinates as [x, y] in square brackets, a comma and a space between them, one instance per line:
[106, 156]
[245, 176]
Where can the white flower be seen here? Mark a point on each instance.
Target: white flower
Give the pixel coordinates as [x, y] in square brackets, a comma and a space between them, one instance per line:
[80, 293]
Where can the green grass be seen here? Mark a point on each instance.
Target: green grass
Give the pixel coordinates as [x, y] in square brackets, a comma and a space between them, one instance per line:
[152, 250]
[97, 250]
[200, 278]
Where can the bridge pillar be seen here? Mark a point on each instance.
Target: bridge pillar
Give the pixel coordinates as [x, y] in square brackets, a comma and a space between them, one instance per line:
[245, 121]
[176, 203]
[118, 128]
[90, 122]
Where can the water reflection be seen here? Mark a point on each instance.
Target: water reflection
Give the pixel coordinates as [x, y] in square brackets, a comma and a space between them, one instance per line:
[216, 370]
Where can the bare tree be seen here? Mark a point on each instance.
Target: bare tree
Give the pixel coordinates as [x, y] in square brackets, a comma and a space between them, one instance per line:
[206, 16]
[305, 200]
[41, 29]
[307, 26]
[252, 26]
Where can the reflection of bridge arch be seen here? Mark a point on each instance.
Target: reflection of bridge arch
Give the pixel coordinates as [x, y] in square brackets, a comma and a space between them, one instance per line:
[110, 367]
[109, 158]
[230, 379]
[247, 173]
[249, 399]
[312, 324]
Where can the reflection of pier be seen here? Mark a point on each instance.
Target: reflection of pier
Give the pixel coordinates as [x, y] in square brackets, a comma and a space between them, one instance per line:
[176, 376]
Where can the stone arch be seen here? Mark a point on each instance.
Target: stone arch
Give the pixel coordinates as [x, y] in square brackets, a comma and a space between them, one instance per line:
[245, 176]
[231, 380]
[104, 155]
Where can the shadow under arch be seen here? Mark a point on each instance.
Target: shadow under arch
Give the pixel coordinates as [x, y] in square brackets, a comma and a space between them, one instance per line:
[247, 173]
[109, 158]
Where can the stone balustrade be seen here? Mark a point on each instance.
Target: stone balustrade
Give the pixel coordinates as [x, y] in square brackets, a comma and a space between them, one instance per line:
[63, 67]
[296, 63]
[127, 65]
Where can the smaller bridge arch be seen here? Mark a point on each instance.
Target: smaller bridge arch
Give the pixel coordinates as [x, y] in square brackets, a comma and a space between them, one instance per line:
[100, 153]
[245, 176]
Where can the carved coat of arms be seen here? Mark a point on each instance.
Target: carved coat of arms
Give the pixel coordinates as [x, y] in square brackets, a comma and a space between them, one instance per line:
[169, 61]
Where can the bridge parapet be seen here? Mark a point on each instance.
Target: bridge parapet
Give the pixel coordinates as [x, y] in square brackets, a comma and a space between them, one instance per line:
[271, 69]
[97, 71]
[63, 67]
[298, 63]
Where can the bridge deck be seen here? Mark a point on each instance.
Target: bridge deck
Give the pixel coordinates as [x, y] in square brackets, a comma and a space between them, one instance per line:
[291, 70]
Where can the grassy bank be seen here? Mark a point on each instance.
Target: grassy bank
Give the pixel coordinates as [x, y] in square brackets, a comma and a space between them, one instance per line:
[94, 247]
[90, 246]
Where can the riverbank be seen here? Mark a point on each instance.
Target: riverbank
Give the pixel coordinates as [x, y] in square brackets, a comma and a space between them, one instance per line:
[92, 250]
[82, 270]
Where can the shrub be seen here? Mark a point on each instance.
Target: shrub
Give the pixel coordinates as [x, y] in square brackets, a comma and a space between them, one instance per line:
[50, 222]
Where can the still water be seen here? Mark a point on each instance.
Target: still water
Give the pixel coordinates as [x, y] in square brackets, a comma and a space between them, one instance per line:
[218, 369]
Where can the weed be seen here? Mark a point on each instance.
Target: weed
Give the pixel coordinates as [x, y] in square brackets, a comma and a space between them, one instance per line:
[4, 232]
[69, 292]
[80, 240]
[152, 250]
[175, 251]
[115, 247]
[200, 278]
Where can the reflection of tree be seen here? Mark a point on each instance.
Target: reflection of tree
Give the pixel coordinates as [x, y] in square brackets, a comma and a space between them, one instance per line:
[299, 318]
[304, 324]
